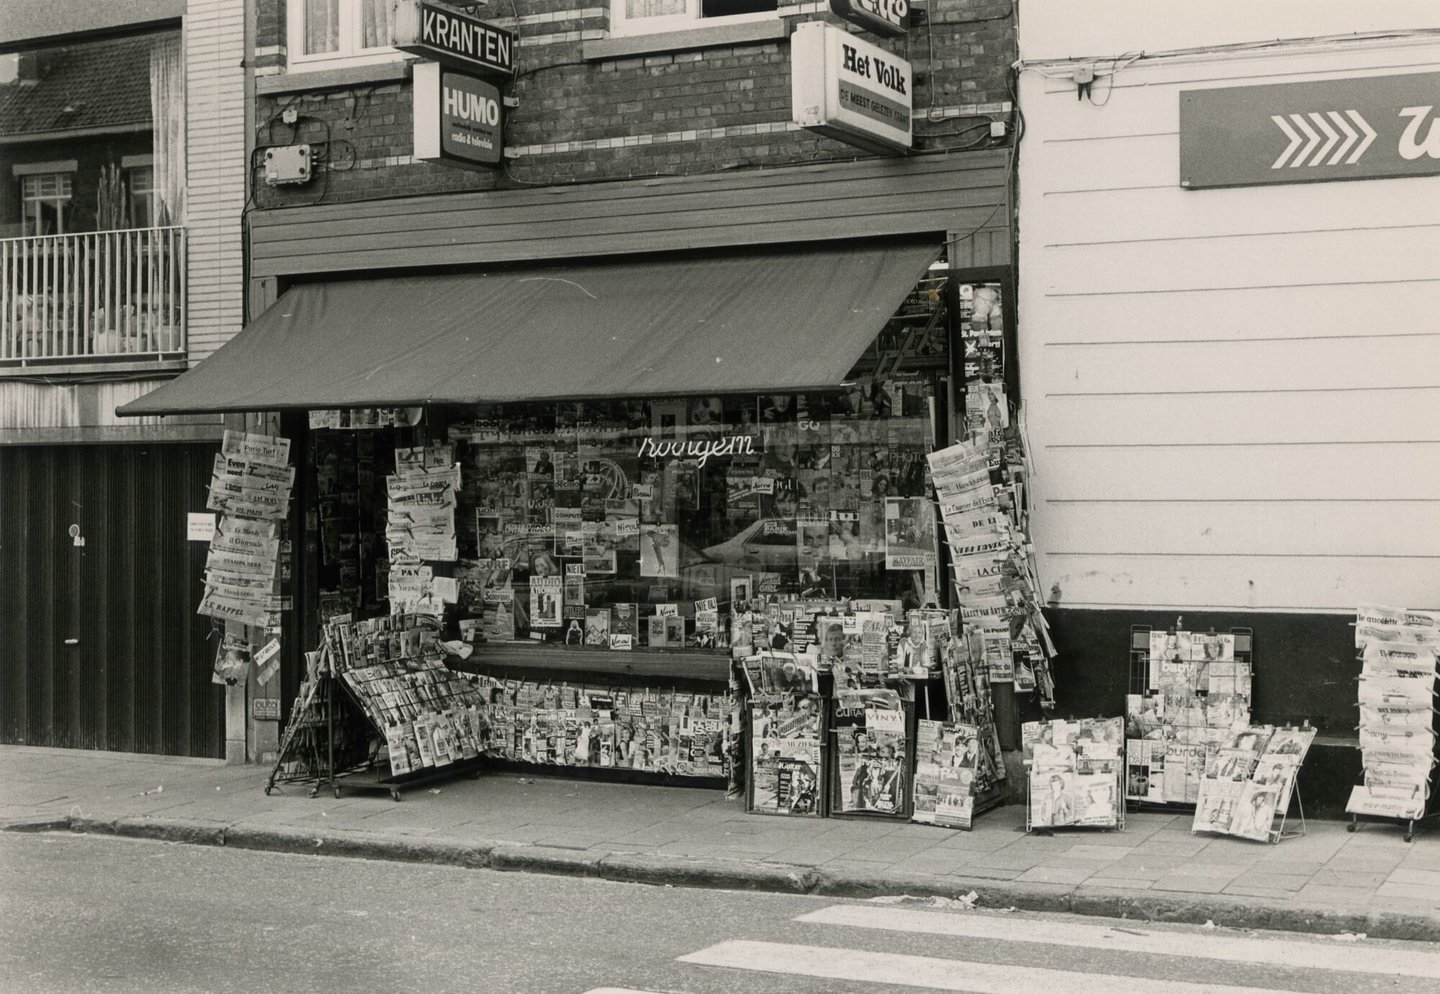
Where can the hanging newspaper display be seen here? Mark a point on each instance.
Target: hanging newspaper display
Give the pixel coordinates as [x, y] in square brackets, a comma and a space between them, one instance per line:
[1397, 650]
[250, 487]
[979, 486]
[1249, 781]
[1074, 773]
[420, 531]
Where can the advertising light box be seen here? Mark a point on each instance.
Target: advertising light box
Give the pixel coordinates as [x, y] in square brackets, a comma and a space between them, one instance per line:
[458, 118]
[850, 89]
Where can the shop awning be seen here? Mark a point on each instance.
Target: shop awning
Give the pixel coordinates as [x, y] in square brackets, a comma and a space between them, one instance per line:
[768, 320]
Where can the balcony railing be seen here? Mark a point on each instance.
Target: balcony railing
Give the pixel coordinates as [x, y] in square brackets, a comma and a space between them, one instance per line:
[98, 295]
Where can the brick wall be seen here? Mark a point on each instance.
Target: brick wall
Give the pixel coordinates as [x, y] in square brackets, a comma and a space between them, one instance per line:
[699, 111]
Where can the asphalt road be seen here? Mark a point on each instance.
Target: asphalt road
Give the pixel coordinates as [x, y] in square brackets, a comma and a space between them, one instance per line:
[82, 913]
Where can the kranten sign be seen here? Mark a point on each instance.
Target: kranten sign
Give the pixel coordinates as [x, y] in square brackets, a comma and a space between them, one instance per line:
[438, 32]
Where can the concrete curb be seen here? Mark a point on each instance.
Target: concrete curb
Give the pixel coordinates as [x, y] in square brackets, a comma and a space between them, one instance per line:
[35, 823]
[736, 874]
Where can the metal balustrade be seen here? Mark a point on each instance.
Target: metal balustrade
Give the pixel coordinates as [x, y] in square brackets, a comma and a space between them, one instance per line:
[94, 295]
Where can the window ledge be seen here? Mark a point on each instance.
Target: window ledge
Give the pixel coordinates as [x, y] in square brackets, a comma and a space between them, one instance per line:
[625, 46]
[652, 664]
[297, 80]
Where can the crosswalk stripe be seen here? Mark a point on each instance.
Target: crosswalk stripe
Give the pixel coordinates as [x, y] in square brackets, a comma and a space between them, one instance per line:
[1233, 949]
[937, 974]
[618, 990]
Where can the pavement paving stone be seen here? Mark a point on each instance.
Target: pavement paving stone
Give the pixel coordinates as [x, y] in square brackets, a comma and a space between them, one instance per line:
[1394, 888]
[1345, 897]
[1120, 883]
[1289, 882]
[1192, 884]
[1056, 875]
[1249, 890]
[1097, 854]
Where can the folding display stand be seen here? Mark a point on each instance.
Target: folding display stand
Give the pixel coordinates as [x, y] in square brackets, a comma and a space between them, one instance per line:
[794, 784]
[842, 795]
[333, 738]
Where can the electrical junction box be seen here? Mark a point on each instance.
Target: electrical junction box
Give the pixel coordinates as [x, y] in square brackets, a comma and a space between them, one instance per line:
[287, 164]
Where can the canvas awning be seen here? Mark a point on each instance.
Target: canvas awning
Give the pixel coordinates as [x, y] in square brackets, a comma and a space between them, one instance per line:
[769, 320]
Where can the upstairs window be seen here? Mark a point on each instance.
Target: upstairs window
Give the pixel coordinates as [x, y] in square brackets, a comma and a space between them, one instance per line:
[643, 16]
[330, 31]
[141, 181]
[44, 202]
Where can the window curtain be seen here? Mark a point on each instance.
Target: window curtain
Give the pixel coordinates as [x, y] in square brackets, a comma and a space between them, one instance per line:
[167, 116]
[322, 25]
[376, 23]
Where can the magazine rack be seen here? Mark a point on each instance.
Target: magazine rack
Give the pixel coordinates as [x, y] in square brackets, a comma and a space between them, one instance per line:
[1422, 778]
[1115, 821]
[788, 785]
[858, 797]
[338, 729]
[1139, 684]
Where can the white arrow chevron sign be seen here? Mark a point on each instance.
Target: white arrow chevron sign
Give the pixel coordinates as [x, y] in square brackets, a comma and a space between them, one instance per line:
[1311, 131]
[1323, 128]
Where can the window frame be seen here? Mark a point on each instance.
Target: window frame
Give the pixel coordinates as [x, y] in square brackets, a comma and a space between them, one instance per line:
[622, 26]
[349, 37]
[60, 201]
[137, 195]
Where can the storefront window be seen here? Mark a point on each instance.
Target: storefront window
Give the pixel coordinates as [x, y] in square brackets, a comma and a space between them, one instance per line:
[579, 523]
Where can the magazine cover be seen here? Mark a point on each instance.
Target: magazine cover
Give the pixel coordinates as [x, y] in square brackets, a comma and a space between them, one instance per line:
[660, 550]
[597, 627]
[655, 631]
[623, 626]
[1096, 802]
[546, 602]
[785, 756]
[1216, 807]
[909, 533]
[1052, 799]
[1255, 811]
[870, 746]
[395, 746]
[946, 758]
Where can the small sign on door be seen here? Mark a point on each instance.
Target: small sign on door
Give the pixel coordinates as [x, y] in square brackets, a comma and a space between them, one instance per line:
[199, 527]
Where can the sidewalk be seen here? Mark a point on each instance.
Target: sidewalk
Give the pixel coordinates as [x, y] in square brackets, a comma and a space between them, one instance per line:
[1329, 880]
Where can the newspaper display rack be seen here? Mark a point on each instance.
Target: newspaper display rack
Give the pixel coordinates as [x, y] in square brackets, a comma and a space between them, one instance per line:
[1397, 651]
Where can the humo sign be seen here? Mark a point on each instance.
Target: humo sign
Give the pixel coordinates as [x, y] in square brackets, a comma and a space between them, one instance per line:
[458, 118]
[890, 18]
[1368, 127]
[445, 35]
[847, 88]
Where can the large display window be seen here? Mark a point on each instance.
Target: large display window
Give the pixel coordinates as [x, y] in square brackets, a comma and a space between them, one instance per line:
[630, 524]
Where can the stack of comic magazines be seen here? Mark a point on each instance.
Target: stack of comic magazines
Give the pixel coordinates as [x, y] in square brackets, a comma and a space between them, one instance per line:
[1074, 772]
[1249, 780]
[420, 529]
[1397, 650]
[394, 669]
[606, 726]
[1196, 694]
[979, 487]
[870, 746]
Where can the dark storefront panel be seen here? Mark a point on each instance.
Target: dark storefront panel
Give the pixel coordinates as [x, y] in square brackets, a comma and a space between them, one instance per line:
[103, 649]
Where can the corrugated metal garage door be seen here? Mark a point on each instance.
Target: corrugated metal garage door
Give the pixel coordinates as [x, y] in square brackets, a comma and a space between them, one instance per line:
[100, 646]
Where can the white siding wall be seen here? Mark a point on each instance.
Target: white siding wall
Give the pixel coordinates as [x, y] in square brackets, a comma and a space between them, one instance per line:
[215, 167]
[1233, 395]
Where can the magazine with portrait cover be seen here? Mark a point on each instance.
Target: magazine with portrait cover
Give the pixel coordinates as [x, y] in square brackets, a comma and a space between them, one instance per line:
[870, 751]
[909, 533]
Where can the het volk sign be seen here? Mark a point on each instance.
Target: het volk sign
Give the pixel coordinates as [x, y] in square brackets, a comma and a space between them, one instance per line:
[847, 88]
